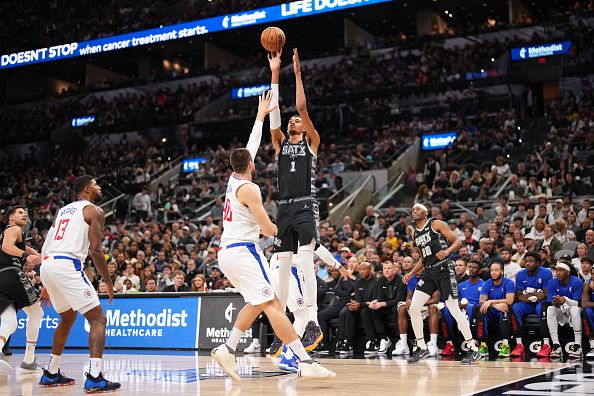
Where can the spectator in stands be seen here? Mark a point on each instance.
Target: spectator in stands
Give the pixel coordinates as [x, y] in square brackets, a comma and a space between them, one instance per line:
[128, 274]
[400, 228]
[497, 297]
[150, 286]
[564, 294]
[537, 230]
[543, 214]
[583, 213]
[142, 204]
[581, 251]
[214, 278]
[460, 269]
[270, 206]
[510, 268]
[431, 170]
[586, 268]
[165, 278]
[178, 284]
[580, 235]
[370, 218]
[520, 254]
[590, 243]
[423, 194]
[112, 270]
[466, 193]
[199, 283]
[160, 261]
[549, 240]
[209, 263]
[217, 210]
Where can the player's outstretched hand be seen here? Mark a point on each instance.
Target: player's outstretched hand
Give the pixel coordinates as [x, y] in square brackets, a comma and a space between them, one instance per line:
[44, 298]
[346, 274]
[274, 60]
[264, 106]
[296, 64]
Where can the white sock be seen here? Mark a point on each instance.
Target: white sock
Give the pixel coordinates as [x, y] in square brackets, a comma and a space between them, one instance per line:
[471, 344]
[555, 337]
[421, 343]
[234, 338]
[518, 340]
[545, 341]
[30, 352]
[298, 350]
[54, 364]
[591, 343]
[256, 341]
[578, 337]
[433, 338]
[288, 353]
[95, 366]
[404, 339]
[312, 311]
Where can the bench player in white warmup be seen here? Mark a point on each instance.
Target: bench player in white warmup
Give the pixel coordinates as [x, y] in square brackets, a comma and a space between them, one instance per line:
[243, 262]
[76, 232]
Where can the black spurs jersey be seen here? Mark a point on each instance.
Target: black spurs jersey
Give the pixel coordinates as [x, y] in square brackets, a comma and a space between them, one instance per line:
[429, 243]
[6, 260]
[296, 170]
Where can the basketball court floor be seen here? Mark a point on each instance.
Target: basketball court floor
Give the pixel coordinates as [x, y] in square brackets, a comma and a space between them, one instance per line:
[149, 373]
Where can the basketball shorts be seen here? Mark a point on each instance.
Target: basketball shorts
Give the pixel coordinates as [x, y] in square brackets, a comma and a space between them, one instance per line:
[67, 284]
[245, 265]
[16, 289]
[298, 222]
[296, 300]
[442, 278]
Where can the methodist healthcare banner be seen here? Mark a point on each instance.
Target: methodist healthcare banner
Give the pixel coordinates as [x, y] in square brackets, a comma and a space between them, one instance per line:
[540, 51]
[247, 92]
[165, 322]
[218, 313]
[295, 9]
[438, 141]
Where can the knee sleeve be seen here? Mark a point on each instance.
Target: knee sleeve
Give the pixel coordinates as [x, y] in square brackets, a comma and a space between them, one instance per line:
[284, 273]
[306, 259]
[8, 322]
[34, 317]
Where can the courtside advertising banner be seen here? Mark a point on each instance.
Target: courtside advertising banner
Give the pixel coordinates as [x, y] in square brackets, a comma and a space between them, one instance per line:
[218, 314]
[295, 9]
[166, 322]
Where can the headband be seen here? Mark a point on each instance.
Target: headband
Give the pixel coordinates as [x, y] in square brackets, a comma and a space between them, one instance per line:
[561, 264]
[420, 206]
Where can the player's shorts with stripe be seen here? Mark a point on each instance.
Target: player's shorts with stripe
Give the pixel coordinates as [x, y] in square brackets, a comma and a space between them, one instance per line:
[67, 284]
[442, 278]
[245, 265]
[298, 222]
[16, 289]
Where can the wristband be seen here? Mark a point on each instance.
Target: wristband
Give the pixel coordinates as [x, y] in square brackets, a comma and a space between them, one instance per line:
[25, 255]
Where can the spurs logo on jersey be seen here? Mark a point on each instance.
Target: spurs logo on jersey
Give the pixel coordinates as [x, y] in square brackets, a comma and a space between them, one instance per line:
[294, 150]
[296, 170]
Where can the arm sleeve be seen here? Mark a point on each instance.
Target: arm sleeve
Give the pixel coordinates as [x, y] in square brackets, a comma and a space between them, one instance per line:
[255, 138]
[571, 303]
[275, 116]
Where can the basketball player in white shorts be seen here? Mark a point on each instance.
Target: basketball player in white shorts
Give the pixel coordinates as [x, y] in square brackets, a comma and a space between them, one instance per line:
[244, 263]
[76, 232]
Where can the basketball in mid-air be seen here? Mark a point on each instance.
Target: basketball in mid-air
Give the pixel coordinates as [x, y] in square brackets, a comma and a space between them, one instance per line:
[272, 39]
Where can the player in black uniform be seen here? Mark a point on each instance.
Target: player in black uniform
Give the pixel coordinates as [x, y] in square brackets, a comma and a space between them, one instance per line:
[438, 274]
[298, 213]
[16, 290]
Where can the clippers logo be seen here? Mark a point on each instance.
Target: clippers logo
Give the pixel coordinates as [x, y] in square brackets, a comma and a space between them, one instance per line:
[88, 293]
[300, 302]
[267, 292]
[229, 312]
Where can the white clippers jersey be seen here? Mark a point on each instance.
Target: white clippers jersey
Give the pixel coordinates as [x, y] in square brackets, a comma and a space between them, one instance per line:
[239, 224]
[71, 233]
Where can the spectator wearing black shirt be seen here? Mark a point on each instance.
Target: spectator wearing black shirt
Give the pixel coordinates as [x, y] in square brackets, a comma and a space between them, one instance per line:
[389, 292]
[215, 275]
[400, 227]
[178, 284]
[359, 311]
[343, 289]
[466, 193]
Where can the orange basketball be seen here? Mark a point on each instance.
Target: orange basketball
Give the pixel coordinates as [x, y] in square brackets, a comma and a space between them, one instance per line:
[272, 39]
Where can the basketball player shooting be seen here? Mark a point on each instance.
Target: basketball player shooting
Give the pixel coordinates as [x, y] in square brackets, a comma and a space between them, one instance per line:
[437, 274]
[298, 213]
[243, 262]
